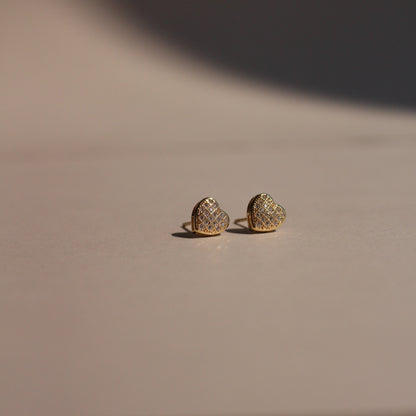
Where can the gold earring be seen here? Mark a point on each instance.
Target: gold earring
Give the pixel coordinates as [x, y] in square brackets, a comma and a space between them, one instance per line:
[208, 218]
[263, 214]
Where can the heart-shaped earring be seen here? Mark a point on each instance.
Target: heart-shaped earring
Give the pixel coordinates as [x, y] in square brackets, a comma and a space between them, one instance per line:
[208, 218]
[263, 214]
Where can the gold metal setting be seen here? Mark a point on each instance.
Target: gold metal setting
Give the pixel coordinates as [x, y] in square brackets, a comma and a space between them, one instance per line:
[263, 214]
[208, 218]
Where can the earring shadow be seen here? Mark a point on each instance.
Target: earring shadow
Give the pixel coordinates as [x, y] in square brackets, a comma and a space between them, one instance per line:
[190, 234]
[239, 231]
[186, 234]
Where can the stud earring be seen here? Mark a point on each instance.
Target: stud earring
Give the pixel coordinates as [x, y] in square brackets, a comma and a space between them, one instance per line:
[263, 214]
[208, 218]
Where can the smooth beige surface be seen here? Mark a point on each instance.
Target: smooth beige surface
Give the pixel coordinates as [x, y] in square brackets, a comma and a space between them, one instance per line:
[108, 308]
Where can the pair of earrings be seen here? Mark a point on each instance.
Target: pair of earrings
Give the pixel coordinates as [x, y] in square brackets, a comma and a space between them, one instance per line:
[263, 215]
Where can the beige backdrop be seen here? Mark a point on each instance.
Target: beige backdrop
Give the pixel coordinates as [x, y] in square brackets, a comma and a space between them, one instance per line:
[108, 138]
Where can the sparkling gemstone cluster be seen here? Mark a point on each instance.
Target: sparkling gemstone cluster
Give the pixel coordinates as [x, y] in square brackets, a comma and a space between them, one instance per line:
[210, 218]
[266, 214]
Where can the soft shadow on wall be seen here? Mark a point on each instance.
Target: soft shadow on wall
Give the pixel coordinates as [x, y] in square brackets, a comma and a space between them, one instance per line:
[351, 50]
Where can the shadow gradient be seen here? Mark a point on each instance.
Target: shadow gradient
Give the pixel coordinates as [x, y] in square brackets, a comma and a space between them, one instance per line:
[360, 51]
